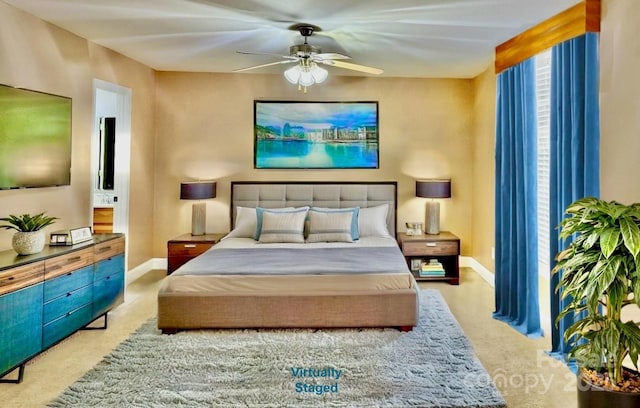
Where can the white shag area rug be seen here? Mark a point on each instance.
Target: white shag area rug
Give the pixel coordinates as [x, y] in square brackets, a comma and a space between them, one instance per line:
[432, 366]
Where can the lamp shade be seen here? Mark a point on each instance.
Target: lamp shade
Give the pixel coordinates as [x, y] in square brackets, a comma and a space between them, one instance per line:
[433, 188]
[197, 190]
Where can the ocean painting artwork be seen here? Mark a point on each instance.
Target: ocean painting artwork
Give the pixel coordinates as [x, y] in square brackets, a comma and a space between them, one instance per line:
[315, 135]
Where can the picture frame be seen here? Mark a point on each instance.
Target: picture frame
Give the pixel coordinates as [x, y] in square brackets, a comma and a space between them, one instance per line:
[416, 263]
[81, 234]
[70, 236]
[316, 135]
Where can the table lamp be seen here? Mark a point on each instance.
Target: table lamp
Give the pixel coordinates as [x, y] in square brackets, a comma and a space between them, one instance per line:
[198, 190]
[433, 188]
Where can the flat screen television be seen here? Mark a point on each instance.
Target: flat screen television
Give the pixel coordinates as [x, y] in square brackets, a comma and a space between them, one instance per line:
[35, 139]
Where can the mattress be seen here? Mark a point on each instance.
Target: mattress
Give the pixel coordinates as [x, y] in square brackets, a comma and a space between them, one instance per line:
[243, 266]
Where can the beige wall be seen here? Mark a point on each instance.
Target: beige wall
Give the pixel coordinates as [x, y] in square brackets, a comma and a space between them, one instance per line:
[620, 101]
[39, 56]
[619, 106]
[429, 128]
[205, 130]
[483, 215]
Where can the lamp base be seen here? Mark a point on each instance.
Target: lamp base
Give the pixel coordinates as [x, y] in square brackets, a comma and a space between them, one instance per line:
[198, 218]
[432, 218]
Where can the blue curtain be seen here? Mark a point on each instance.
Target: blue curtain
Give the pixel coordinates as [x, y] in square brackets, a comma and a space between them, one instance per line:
[516, 244]
[575, 149]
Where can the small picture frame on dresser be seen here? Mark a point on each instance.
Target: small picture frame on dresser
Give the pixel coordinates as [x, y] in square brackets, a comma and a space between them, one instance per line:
[416, 263]
[80, 234]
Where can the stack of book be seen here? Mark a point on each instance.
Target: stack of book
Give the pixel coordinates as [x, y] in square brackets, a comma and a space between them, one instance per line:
[431, 269]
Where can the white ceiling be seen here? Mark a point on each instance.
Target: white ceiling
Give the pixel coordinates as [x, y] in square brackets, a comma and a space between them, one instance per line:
[406, 38]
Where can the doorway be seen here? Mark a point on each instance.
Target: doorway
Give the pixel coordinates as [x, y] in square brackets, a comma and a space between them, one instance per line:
[111, 157]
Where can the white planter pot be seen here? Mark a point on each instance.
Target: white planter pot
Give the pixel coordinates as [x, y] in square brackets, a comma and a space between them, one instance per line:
[27, 243]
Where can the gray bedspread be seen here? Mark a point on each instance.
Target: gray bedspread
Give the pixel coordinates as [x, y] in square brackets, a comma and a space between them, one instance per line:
[292, 261]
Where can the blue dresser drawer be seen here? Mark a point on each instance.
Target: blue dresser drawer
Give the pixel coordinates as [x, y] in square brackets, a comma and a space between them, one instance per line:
[69, 301]
[109, 267]
[65, 325]
[63, 284]
[106, 292]
[20, 326]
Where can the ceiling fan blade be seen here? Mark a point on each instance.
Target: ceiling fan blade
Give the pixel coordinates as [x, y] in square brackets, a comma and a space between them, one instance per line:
[267, 53]
[331, 56]
[354, 67]
[265, 65]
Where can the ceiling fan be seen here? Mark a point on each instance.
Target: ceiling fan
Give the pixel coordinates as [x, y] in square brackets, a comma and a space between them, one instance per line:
[308, 57]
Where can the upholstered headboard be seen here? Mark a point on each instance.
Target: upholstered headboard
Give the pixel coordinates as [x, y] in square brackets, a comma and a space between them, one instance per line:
[276, 194]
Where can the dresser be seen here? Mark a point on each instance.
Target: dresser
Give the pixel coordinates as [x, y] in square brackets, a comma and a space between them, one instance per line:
[48, 296]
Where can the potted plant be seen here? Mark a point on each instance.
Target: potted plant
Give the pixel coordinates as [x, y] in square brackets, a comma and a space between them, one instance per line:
[601, 277]
[29, 239]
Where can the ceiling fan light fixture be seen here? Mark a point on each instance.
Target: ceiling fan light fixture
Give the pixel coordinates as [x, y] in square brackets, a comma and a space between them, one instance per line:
[308, 57]
[319, 74]
[293, 74]
[306, 78]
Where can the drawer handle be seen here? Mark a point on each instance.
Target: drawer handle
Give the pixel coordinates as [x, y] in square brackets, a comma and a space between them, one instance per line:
[68, 294]
[74, 259]
[104, 249]
[11, 278]
[189, 245]
[69, 273]
[431, 244]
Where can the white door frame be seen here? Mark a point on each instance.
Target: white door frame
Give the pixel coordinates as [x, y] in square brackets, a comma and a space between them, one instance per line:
[122, 153]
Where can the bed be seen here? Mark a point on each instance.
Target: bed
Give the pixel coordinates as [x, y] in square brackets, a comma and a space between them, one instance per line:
[344, 270]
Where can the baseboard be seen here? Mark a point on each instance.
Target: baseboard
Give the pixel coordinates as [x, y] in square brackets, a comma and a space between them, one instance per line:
[469, 262]
[138, 271]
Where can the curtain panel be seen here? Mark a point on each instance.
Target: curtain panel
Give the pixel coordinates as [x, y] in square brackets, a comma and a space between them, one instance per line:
[516, 244]
[575, 150]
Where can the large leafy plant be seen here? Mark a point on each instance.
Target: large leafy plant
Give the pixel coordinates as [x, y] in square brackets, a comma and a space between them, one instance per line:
[601, 276]
[26, 222]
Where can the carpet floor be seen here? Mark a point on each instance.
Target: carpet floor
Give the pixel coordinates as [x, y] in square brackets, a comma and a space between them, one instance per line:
[432, 366]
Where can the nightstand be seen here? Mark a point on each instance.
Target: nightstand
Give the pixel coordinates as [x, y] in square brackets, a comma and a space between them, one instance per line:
[186, 247]
[445, 247]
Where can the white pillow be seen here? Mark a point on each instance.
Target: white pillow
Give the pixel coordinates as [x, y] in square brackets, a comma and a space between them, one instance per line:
[372, 221]
[246, 222]
[330, 226]
[283, 226]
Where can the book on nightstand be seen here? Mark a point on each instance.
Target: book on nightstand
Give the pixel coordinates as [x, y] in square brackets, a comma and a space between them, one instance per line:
[432, 268]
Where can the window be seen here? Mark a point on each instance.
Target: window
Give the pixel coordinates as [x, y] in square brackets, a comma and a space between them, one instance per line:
[543, 101]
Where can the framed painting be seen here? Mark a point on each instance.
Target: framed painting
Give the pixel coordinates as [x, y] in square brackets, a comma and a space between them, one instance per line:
[316, 135]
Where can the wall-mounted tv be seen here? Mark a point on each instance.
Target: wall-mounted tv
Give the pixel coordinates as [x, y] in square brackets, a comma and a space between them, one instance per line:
[316, 135]
[35, 139]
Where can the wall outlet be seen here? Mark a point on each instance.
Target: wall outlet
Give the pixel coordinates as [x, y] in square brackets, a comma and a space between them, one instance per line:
[493, 253]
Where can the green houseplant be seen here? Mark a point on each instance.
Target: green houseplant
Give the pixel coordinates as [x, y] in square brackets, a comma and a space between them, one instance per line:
[28, 239]
[601, 277]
